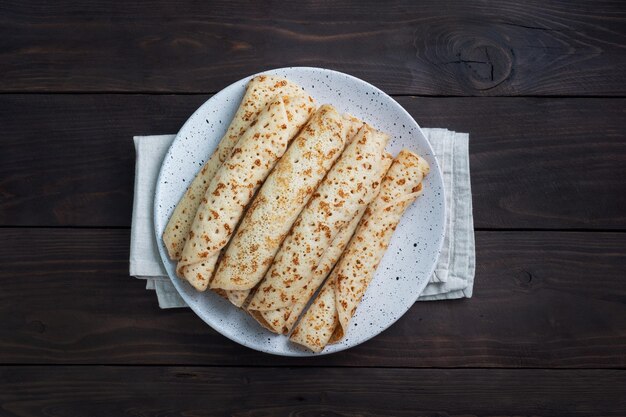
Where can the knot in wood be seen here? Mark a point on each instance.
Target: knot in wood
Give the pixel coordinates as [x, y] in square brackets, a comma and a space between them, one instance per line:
[483, 66]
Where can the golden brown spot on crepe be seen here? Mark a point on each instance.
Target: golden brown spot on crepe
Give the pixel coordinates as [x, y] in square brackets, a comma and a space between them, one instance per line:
[325, 228]
[203, 254]
[200, 277]
[215, 214]
[296, 259]
[227, 227]
[257, 162]
[331, 153]
[254, 265]
[218, 188]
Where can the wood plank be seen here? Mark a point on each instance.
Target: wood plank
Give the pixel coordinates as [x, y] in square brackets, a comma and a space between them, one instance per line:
[154, 391]
[541, 299]
[433, 47]
[538, 163]
[68, 160]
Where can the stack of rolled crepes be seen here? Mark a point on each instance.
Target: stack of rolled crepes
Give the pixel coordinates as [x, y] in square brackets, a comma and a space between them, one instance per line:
[327, 319]
[251, 157]
[291, 194]
[279, 202]
[328, 220]
[259, 92]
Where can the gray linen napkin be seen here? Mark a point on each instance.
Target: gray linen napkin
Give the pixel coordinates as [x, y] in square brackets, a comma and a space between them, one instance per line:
[454, 273]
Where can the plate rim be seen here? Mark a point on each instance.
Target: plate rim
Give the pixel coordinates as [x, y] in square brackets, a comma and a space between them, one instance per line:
[176, 281]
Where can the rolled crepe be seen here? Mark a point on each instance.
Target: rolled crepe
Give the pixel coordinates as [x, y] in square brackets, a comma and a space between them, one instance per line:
[259, 92]
[348, 188]
[281, 320]
[354, 126]
[278, 204]
[327, 319]
[236, 181]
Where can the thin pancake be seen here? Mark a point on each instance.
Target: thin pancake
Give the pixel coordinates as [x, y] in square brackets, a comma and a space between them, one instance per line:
[236, 181]
[279, 202]
[348, 188]
[259, 92]
[327, 319]
[282, 320]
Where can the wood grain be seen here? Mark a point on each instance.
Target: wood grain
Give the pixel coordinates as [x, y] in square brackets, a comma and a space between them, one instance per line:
[541, 299]
[67, 160]
[79, 337]
[179, 391]
[433, 47]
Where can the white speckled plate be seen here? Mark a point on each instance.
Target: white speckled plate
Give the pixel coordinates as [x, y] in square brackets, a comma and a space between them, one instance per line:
[412, 254]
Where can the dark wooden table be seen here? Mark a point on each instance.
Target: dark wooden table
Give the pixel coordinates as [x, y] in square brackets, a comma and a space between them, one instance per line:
[540, 86]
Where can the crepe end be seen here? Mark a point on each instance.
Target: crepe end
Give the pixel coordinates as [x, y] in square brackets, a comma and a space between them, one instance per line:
[173, 251]
[258, 316]
[237, 297]
[198, 281]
